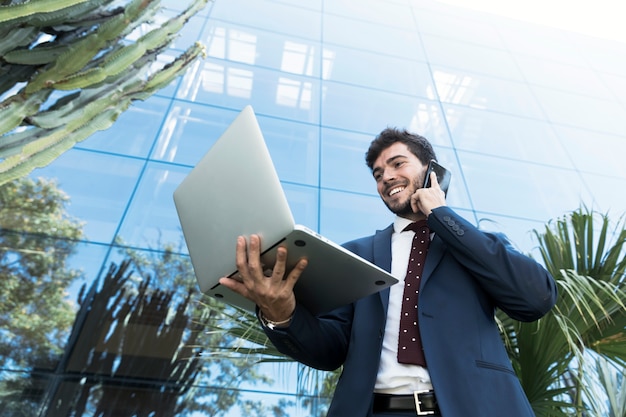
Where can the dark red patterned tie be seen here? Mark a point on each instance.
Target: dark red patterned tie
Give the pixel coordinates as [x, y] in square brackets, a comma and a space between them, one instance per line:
[409, 342]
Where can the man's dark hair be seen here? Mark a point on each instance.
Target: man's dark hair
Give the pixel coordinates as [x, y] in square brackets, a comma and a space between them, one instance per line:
[418, 145]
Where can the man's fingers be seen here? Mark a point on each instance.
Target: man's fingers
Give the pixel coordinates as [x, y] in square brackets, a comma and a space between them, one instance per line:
[434, 183]
[254, 253]
[234, 285]
[295, 273]
[281, 263]
[241, 255]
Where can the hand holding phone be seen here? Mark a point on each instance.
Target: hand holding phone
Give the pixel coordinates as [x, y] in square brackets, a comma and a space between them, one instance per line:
[443, 176]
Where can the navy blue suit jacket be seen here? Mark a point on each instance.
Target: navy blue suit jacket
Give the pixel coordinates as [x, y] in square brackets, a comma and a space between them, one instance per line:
[467, 275]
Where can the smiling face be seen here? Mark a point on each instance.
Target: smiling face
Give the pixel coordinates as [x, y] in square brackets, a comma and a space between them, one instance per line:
[398, 174]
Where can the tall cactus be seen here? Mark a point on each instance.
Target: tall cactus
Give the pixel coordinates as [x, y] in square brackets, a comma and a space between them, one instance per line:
[68, 68]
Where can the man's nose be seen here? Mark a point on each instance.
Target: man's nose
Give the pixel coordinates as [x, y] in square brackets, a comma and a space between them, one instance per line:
[389, 175]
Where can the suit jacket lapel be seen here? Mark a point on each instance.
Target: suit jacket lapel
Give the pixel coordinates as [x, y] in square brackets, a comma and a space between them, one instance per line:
[435, 254]
[382, 258]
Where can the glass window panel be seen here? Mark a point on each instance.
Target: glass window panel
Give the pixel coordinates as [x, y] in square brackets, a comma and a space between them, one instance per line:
[593, 151]
[381, 12]
[608, 193]
[521, 189]
[294, 148]
[471, 58]
[370, 111]
[538, 41]
[262, 403]
[134, 131]
[91, 260]
[348, 216]
[519, 231]
[603, 55]
[262, 48]
[234, 86]
[273, 16]
[99, 187]
[372, 37]
[481, 92]
[463, 27]
[505, 136]
[304, 204]
[560, 76]
[151, 220]
[343, 161]
[617, 84]
[189, 131]
[285, 377]
[362, 68]
[587, 112]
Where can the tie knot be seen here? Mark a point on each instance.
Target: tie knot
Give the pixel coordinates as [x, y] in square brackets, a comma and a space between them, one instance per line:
[418, 226]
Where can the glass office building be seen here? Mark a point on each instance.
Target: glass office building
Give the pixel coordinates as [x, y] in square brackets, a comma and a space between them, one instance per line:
[530, 120]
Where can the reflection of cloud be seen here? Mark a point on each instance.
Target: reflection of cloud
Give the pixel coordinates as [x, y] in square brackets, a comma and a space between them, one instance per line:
[232, 44]
[297, 58]
[328, 59]
[456, 88]
[219, 79]
[426, 118]
[293, 93]
[165, 149]
[239, 82]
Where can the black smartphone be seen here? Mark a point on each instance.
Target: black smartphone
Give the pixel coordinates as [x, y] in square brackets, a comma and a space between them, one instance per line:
[443, 176]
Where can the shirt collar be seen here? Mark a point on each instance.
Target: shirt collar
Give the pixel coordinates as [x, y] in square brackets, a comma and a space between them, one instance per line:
[400, 223]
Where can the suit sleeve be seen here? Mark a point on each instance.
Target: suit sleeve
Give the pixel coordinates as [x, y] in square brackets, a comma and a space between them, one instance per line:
[320, 342]
[518, 285]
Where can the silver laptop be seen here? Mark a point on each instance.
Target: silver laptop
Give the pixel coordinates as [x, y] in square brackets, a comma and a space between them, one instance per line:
[234, 190]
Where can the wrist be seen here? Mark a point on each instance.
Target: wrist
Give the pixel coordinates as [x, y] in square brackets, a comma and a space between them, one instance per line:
[273, 324]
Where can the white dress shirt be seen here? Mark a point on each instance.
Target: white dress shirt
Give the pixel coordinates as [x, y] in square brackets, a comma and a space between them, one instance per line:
[393, 377]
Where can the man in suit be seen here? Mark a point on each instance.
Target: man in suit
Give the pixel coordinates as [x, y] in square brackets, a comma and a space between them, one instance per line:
[466, 274]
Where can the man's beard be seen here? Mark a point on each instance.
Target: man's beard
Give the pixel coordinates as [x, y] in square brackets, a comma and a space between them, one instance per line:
[404, 209]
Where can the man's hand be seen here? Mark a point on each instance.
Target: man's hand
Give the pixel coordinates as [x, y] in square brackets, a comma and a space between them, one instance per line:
[426, 199]
[273, 294]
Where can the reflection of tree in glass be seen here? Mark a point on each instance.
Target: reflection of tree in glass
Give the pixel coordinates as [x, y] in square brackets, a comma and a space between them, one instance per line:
[36, 239]
[129, 353]
[136, 347]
